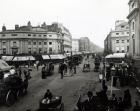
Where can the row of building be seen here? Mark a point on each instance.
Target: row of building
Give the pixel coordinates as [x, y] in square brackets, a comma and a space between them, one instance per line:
[126, 35]
[44, 39]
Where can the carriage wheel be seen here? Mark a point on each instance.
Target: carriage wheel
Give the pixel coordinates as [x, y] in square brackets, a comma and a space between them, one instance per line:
[10, 98]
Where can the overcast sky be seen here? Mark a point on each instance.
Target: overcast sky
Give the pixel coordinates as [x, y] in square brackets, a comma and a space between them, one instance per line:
[90, 18]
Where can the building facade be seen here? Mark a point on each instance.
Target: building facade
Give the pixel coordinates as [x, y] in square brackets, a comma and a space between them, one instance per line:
[75, 45]
[117, 41]
[44, 39]
[134, 24]
[84, 44]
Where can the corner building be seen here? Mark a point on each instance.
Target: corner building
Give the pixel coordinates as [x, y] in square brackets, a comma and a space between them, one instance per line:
[44, 39]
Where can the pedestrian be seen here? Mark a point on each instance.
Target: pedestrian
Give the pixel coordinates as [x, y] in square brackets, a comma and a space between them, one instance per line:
[127, 99]
[136, 107]
[20, 72]
[100, 76]
[120, 104]
[104, 86]
[74, 68]
[43, 73]
[61, 70]
[113, 100]
[48, 94]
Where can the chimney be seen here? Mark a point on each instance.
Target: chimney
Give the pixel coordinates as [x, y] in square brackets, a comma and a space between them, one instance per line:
[16, 27]
[3, 28]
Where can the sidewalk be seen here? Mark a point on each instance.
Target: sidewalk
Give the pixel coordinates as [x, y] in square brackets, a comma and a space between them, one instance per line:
[119, 91]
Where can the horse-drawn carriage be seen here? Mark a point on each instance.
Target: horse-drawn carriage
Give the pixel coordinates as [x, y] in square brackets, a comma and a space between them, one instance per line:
[97, 65]
[11, 85]
[47, 70]
[54, 104]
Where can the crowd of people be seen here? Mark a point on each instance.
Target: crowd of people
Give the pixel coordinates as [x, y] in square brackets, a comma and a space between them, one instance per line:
[102, 102]
[122, 73]
[67, 68]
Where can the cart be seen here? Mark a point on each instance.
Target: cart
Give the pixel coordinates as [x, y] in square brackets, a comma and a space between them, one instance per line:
[49, 69]
[86, 67]
[11, 89]
[12, 86]
[55, 104]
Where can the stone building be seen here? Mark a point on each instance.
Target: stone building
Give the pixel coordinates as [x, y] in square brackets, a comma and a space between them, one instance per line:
[75, 45]
[117, 41]
[134, 24]
[84, 44]
[44, 39]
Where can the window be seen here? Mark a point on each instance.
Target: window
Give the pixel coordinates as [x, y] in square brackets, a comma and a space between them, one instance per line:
[127, 48]
[13, 34]
[29, 43]
[3, 43]
[117, 33]
[34, 43]
[39, 43]
[40, 49]
[122, 26]
[14, 44]
[4, 51]
[133, 4]
[127, 32]
[50, 35]
[45, 50]
[39, 35]
[29, 50]
[122, 41]
[128, 41]
[34, 35]
[45, 35]
[50, 43]
[29, 34]
[117, 41]
[45, 43]
[50, 50]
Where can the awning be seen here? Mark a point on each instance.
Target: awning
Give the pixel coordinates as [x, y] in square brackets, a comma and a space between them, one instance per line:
[23, 58]
[7, 58]
[45, 57]
[4, 65]
[59, 56]
[116, 55]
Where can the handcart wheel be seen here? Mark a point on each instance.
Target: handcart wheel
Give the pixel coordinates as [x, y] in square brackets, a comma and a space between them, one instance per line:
[10, 98]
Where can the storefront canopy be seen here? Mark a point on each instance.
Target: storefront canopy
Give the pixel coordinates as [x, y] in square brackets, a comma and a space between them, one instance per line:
[7, 58]
[23, 58]
[116, 55]
[45, 57]
[4, 65]
[58, 56]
